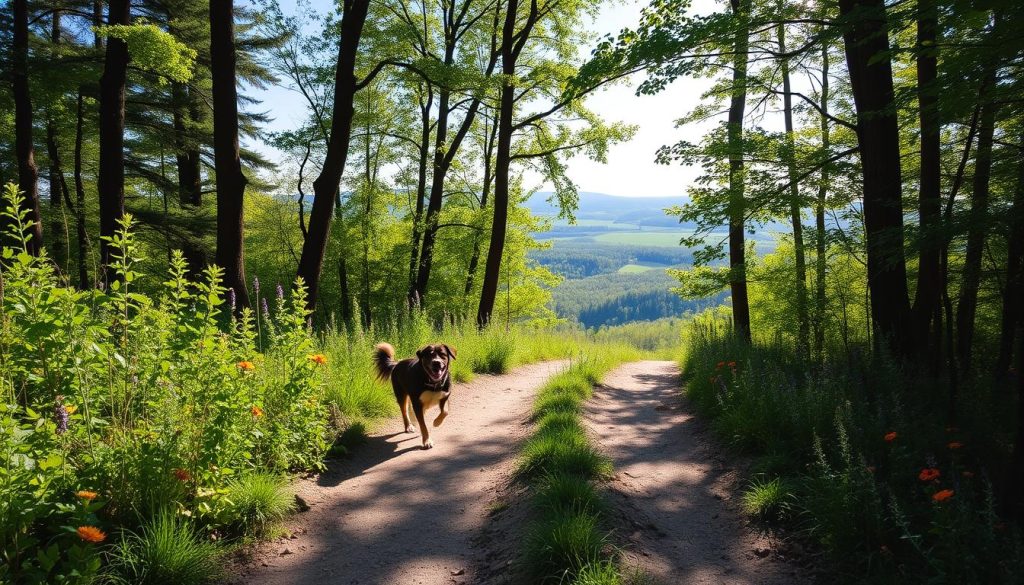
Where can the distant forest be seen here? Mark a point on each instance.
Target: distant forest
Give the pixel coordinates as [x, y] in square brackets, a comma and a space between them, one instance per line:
[580, 258]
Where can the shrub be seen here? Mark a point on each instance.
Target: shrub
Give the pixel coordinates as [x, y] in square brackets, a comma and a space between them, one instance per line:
[769, 501]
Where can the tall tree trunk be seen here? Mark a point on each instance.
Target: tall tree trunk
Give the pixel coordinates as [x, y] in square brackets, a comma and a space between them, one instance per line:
[58, 184]
[804, 332]
[967, 306]
[927, 296]
[865, 36]
[421, 192]
[28, 174]
[1016, 489]
[110, 181]
[1013, 292]
[82, 236]
[97, 20]
[503, 160]
[230, 179]
[474, 259]
[188, 163]
[819, 217]
[737, 207]
[325, 187]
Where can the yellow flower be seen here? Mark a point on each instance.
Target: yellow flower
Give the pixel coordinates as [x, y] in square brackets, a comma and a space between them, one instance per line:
[91, 534]
[256, 411]
[70, 408]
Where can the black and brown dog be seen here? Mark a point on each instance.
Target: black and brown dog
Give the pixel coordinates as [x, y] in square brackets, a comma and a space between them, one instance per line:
[419, 382]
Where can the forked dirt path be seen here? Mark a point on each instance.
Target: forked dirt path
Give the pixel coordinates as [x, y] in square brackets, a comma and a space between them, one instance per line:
[398, 515]
[673, 491]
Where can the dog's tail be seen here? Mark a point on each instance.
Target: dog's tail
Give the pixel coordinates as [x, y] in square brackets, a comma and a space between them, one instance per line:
[384, 360]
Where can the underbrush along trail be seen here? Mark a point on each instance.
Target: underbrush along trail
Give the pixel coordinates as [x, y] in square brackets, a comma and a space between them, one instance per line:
[394, 513]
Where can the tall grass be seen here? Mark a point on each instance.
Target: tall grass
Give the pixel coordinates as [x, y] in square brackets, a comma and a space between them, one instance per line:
[839, 455]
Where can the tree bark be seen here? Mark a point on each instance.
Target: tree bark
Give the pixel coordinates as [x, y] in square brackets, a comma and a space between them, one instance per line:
[866, 41]
[231, 181]
[189, 170]
[110, 180]
[325, 187]
[967, 306]
[803, 320]
[737, 208]
[421, 192]
[474, 259]
[82, 235]
[28, 174]
[927, 294]
[1013, 292]
[819, 217]
[97, 20]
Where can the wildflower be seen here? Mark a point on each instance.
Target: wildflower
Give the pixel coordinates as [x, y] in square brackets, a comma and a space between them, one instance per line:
[231, 298]
[181, 474]
[256, 285]
[72, 409]
[968, 474]
[890, 436]
[256, 411]
[265, 307]
[318, 358]
[929, 474]
[732, 365]
[719, 365]
[86, 495]
[246, 366]
[91, 534]
[955, 445]
[942, 495]
[60, 416]
[280, 292]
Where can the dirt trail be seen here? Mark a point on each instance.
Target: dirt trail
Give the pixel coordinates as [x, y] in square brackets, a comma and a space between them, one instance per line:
[396, 514]
[674, 493]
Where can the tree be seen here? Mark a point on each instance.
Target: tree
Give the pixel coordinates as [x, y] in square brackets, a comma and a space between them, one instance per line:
[28, 175]
[110, 180]
[230, 179]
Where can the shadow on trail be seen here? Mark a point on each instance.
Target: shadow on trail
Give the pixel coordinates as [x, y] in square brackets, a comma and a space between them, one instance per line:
[672, 486]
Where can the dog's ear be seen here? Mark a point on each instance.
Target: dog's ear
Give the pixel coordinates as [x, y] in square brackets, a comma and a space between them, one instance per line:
[421, 351]
[450, 350]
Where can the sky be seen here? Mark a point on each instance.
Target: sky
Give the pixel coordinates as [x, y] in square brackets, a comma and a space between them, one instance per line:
[631, 170]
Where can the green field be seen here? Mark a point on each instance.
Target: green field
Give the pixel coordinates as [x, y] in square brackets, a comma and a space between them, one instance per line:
[665, 239]
[640, 267]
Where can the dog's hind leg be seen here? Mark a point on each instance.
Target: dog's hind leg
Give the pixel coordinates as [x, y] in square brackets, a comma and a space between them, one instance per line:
[424, 431]
[443, 404]
[403, 405]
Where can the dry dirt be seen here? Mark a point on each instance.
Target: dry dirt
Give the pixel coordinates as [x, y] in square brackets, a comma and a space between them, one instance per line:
[394, 514]
[674, 491]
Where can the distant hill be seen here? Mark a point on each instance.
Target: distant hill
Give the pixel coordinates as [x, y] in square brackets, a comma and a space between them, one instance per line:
[641, 211]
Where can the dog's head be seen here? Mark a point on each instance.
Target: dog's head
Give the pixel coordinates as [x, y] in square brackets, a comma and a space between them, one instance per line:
[434, 359]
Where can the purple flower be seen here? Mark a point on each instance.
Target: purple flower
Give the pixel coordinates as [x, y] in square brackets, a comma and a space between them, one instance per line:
[265, 307]
[280, 292]
[231, 298]
[60, 416]
[256, 285]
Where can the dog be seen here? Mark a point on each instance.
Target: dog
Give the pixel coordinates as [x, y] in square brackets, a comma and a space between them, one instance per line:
[420, 382]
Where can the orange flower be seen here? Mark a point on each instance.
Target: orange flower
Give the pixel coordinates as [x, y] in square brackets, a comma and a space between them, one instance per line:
[182, 474]
[955, 445]
[256, 411]
[720, 364]
[731, 364]
[246, 366]
[890, 436]
[86, 495]
[968, 474]
[91, 534]
[318, 358]
[929, 474]
[942, 495]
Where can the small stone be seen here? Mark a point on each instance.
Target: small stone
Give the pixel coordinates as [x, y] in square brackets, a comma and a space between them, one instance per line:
[458, 572]
[286, 551]
[762, 552]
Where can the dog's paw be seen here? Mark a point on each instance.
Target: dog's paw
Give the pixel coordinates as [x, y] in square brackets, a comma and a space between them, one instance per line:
[439, 419]
[428, 444]
[409, 429]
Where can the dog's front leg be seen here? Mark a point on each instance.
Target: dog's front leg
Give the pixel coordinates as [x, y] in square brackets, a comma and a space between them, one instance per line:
[443, 404]
[424, 431]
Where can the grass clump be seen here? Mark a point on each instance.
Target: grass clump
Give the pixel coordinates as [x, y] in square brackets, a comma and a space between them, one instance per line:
[770, 501]
[256, 501]
[564, 493]
[562, 546]
[167, 550]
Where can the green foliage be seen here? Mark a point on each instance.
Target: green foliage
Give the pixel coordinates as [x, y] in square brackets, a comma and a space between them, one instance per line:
[560, 547]
[255, 501]
[767, 500]
[155, 50]
[167, 550]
